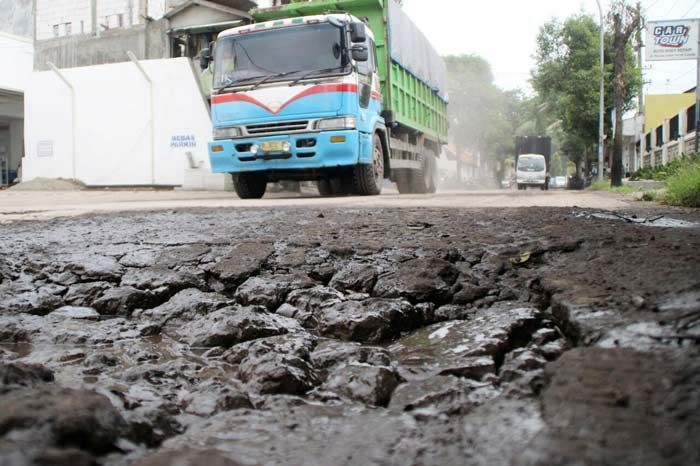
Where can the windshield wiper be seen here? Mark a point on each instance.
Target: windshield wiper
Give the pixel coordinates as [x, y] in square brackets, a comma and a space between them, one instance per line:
[312, 72]
[237, 82]
[268, 77]
[273, 76]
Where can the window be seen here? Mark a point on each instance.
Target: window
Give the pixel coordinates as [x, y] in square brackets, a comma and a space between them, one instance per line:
[690, 119]
[56, 31]
[373, 52]
[660, 136]
[299, 52]
[531, 164]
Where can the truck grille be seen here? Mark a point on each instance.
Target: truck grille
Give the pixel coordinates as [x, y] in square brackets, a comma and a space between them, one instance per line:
[282, 127]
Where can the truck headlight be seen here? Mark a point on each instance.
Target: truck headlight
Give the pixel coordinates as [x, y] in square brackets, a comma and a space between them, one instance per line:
[227, 133]
[337, 123]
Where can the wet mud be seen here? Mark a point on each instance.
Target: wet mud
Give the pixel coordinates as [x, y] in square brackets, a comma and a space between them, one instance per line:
[352, 337]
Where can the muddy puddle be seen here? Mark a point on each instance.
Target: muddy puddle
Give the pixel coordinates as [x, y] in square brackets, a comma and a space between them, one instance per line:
[659, 221]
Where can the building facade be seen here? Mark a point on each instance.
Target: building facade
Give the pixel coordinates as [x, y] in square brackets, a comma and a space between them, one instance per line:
[668, 129]
[16, 58]
[72, 33]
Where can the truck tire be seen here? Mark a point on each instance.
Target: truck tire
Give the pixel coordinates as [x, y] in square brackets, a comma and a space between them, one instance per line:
[433, 173]
[324, 188]
[250, 185]
[368, 179]
[334, 187]
[403, 182]
[420, 179]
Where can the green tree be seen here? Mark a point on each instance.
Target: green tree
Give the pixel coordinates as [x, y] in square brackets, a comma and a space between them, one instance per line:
[567, 78]
[483, 118]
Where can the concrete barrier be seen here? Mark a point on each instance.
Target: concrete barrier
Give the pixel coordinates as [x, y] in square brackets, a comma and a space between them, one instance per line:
[123, 124]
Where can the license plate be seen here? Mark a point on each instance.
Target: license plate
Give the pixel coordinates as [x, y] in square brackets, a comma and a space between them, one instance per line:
[273, 146]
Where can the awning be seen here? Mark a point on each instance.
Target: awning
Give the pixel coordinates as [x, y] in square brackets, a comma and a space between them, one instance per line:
[204, 28]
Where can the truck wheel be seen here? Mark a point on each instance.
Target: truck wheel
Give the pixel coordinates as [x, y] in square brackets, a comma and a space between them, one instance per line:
[368, 179]
[334, 187]
[325, 188]
[403, 182]
[250, 185]
[433, 173]
[420, 179]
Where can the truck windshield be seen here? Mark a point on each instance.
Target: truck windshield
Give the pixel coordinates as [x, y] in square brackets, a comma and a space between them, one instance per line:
[279, 54]
[531, 164]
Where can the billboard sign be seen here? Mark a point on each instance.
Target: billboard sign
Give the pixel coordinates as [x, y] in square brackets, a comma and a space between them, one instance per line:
[672, 40]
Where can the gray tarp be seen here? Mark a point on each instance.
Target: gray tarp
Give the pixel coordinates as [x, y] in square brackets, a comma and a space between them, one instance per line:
[411, 49]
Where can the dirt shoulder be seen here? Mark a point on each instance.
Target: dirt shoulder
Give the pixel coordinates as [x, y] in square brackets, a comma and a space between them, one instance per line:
[21, 205]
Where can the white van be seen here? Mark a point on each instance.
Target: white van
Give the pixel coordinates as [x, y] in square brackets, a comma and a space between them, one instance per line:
[532, 171]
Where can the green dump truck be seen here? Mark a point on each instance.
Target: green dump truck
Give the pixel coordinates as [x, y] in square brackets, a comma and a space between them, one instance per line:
[343, 92]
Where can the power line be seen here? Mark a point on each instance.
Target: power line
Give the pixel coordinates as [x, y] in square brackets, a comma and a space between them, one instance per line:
[691, 9]
[673, 6]
[681, 75]
[654, 4]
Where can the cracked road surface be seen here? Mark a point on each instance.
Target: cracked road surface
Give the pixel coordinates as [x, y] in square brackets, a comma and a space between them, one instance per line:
[350, 335]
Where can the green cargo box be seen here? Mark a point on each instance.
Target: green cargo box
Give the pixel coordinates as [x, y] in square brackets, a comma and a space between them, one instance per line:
[414, 88]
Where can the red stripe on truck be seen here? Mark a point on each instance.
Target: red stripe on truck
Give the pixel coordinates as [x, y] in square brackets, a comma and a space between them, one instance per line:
[319, 89]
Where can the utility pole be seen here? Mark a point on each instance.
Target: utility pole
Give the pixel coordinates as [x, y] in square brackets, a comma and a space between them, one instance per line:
[640, 99]
[93, 17]
[640, 45]
[697, 101]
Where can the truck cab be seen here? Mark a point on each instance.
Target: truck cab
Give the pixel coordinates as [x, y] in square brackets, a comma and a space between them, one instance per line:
[299, 99]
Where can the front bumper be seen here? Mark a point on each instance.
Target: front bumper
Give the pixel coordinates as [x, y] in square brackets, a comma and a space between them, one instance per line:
[309, 151]
[532, 182]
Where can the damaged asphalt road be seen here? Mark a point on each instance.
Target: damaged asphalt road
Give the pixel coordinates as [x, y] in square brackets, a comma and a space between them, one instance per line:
[369, 336]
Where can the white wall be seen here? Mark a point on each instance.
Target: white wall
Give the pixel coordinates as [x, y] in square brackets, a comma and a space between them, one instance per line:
[16, 61]
[112, 124]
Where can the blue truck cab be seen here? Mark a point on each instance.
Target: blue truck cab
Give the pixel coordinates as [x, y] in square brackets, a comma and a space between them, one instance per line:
[299, 99]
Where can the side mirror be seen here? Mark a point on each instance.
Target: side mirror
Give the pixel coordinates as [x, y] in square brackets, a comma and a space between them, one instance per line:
[358, 33]
[204, 58]
[360, 53]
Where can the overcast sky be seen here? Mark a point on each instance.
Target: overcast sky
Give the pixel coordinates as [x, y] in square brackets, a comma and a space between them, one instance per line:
[504, 32]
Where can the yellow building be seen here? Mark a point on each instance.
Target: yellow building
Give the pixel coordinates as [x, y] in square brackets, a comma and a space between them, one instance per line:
[669, 130]
[662, 107]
